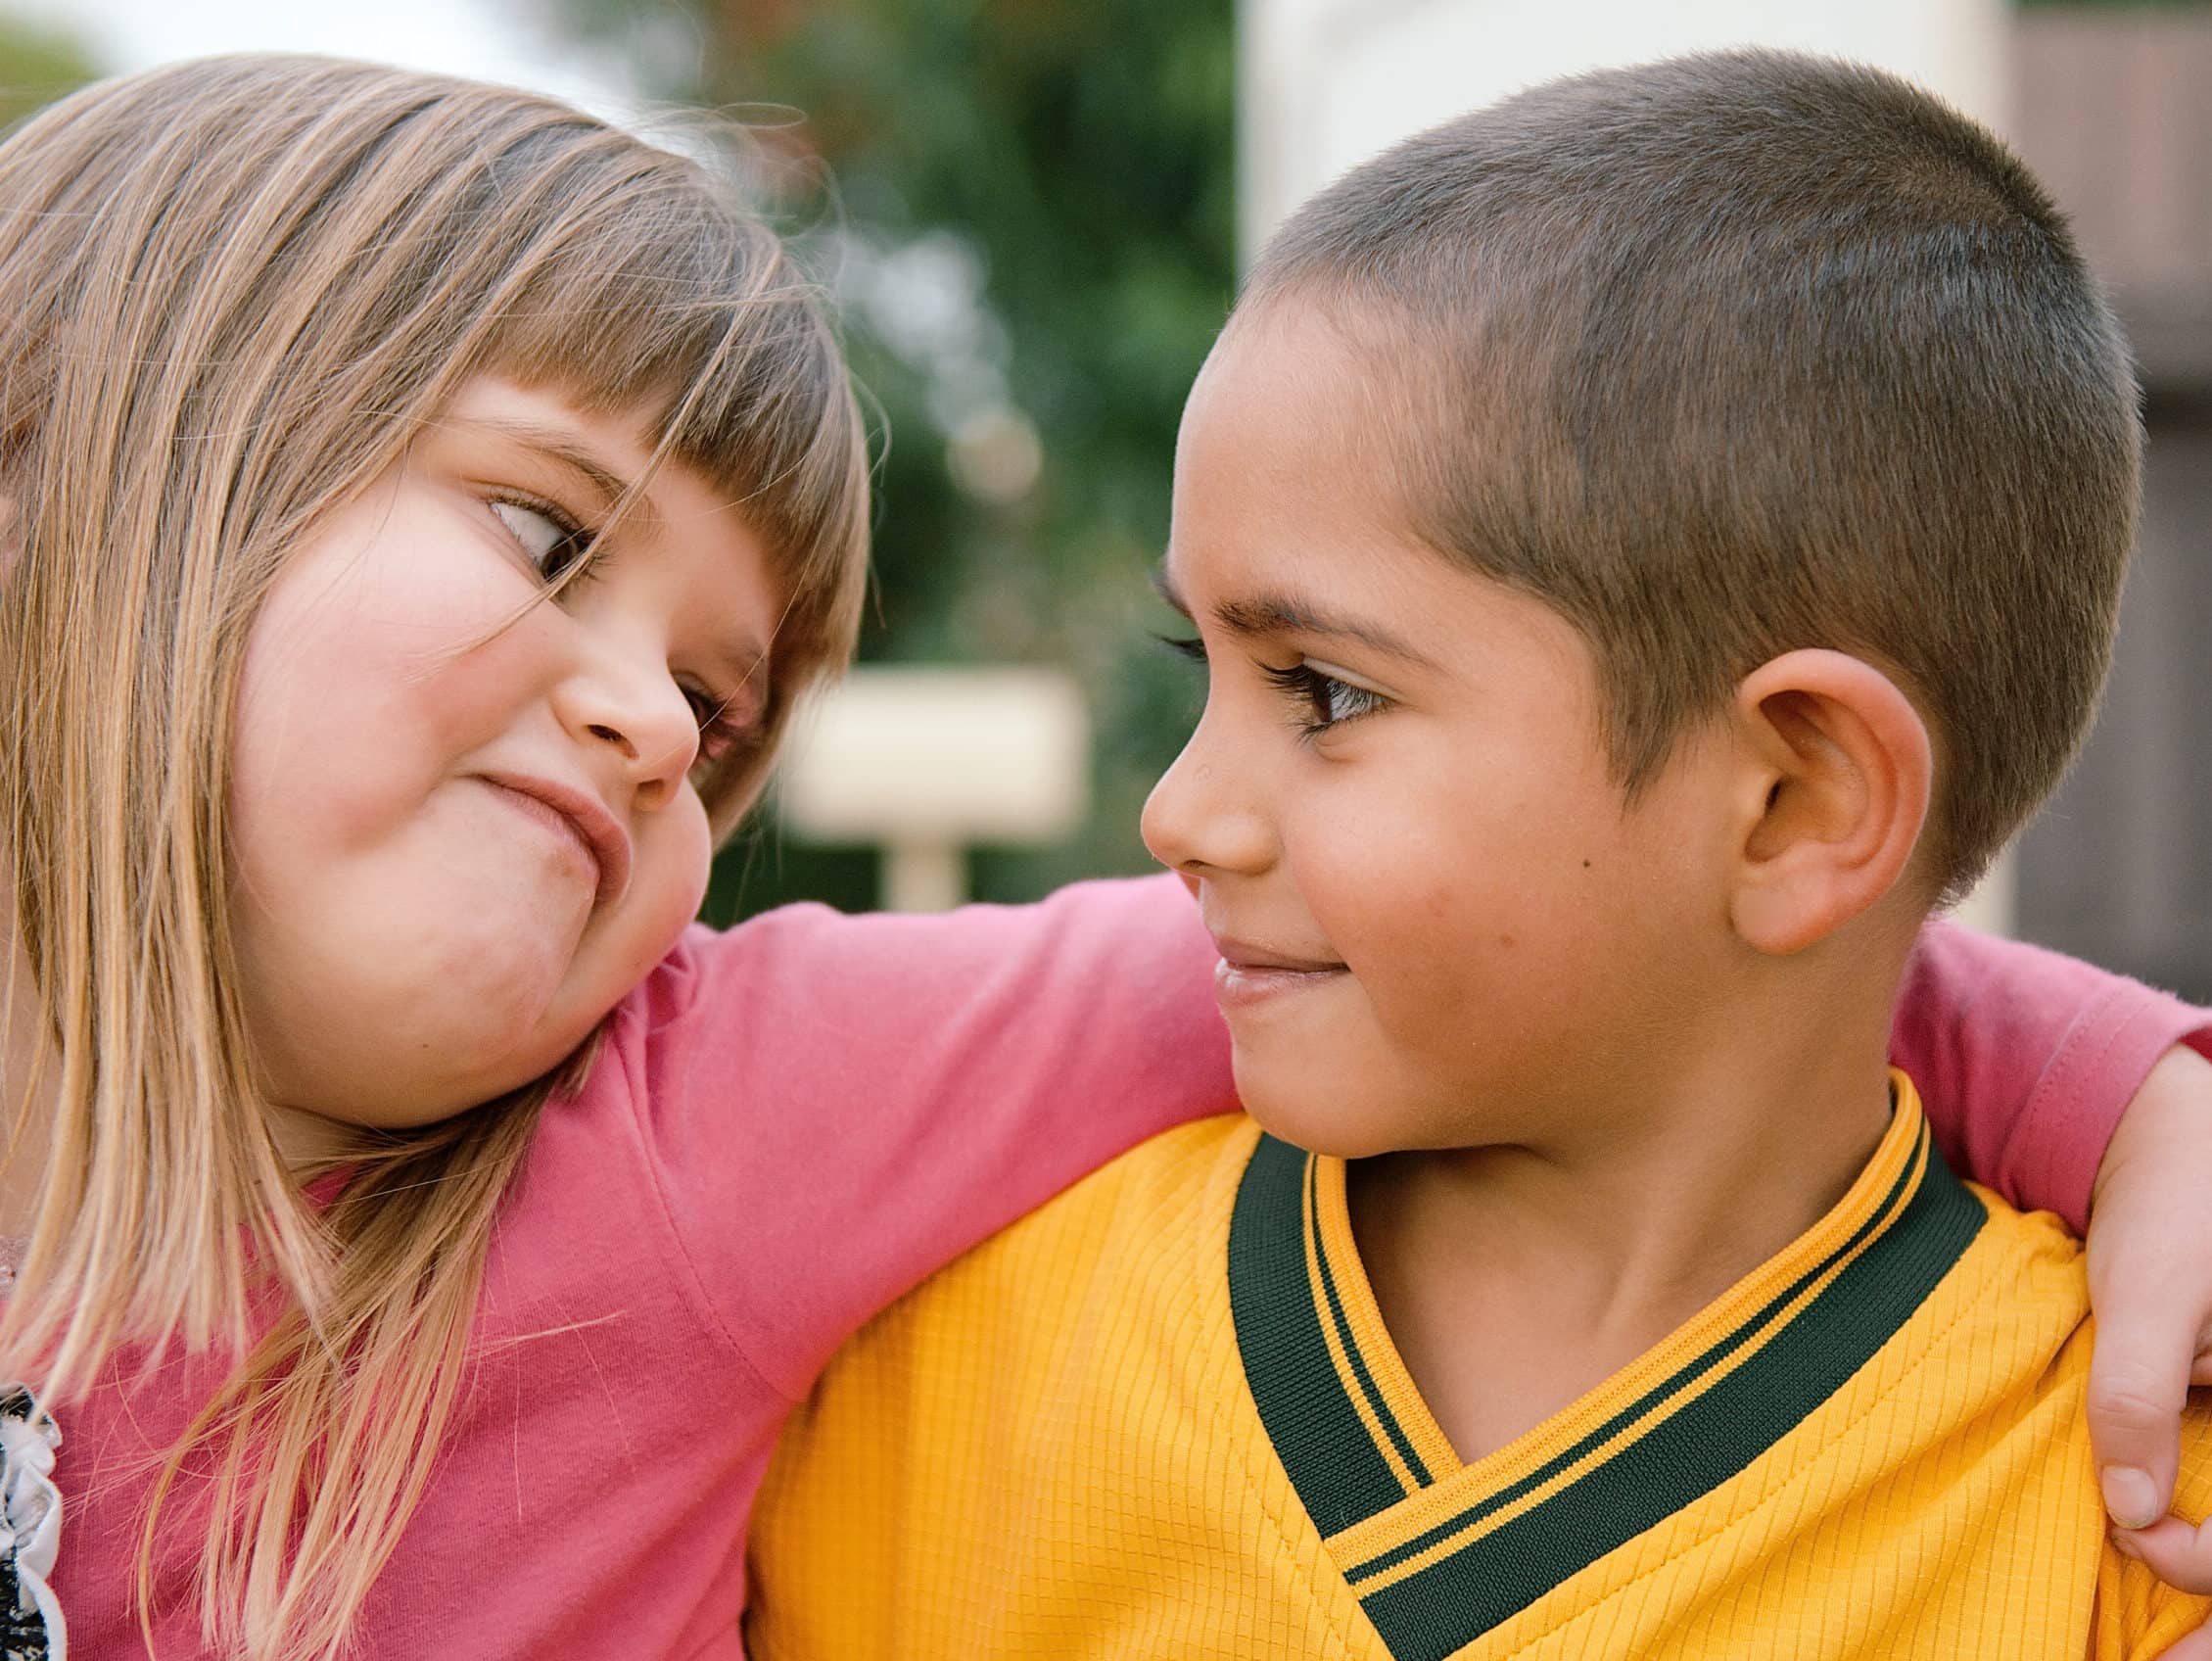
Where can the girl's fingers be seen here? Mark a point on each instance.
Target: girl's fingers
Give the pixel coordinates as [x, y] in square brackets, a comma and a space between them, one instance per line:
[2139, 1368]
[2198, 1646]
[2174, 1552]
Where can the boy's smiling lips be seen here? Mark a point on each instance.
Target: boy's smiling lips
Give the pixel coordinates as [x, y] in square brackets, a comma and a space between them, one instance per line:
[1248, 974]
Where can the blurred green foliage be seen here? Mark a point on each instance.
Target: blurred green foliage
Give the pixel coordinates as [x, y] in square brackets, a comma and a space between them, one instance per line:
[37, 64]
[1028, 208]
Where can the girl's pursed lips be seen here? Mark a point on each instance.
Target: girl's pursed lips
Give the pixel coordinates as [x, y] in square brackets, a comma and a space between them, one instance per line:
[604, 840]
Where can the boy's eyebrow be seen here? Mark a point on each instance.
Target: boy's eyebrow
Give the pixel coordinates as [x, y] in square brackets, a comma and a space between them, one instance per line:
[1164, 586]
[1286, 614]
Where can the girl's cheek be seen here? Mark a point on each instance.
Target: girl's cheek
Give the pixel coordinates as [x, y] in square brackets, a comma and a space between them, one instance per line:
[682, 862]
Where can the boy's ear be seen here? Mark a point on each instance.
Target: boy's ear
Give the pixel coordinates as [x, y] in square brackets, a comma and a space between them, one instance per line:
[1838, 770]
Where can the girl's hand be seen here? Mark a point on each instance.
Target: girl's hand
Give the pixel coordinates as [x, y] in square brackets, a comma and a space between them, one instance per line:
[2150, 1288]
[2182, 1557]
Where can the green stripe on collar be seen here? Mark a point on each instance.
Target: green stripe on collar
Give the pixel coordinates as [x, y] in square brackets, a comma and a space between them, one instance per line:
[1341, 1476]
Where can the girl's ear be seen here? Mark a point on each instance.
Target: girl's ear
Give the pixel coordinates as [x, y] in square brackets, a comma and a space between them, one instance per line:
[1837, 775]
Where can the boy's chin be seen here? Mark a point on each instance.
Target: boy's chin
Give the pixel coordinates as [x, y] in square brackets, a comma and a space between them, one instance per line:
[1318, 1120]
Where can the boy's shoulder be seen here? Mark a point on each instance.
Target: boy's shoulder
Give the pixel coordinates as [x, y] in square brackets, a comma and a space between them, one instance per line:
[2030, 1268]
[1175, 1363]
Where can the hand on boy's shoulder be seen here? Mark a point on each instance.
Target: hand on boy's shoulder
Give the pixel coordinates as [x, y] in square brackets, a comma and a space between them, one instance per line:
[2164, 1586]
[2151, 1289]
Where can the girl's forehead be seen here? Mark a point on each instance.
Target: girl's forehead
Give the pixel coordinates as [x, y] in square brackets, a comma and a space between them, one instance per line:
[613, 451]
[617, 441]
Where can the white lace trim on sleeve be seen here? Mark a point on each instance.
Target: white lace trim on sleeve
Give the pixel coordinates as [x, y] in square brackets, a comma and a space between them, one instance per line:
[31, 1628]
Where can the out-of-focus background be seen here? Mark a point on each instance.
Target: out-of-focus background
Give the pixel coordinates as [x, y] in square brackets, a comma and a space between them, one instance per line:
[1032, 211]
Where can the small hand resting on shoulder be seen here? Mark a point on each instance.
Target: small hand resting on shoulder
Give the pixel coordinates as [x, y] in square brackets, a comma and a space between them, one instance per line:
[2150, 1285]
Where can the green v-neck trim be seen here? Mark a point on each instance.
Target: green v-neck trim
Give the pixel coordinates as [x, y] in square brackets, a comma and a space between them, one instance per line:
[1340, 1474]
[1350, 1461]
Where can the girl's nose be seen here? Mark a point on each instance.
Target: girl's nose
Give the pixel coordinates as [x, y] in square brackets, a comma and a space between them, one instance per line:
[628, 702]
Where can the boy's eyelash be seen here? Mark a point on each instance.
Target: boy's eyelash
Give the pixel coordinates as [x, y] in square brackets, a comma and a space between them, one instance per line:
[1327, 701]
[1193, 648]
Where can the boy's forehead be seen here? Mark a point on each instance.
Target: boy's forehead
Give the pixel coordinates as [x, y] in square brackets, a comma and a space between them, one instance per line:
[1286, 345]
[1303, 443]
[1292, 395]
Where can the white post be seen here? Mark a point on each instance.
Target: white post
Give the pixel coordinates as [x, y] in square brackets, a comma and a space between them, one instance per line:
[923, 875]
[1325, 84]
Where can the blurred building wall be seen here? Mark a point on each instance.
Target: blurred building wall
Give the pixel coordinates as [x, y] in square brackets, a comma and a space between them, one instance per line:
[2114, 108]
[1324, 84]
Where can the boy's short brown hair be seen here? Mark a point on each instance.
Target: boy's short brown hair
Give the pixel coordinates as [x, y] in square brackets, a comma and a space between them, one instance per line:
[1736, 353]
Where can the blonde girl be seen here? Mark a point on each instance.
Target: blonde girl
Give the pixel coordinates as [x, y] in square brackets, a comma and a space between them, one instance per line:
[423, 506]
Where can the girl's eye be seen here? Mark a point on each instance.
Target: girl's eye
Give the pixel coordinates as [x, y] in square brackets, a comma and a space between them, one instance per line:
[1323, 702]
[720, 731]
[552, 541]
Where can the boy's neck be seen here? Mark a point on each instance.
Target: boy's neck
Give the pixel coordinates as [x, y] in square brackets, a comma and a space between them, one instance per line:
[1515, 1279]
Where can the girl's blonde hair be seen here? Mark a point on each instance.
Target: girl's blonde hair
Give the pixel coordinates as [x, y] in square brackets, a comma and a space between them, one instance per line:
[231, 293]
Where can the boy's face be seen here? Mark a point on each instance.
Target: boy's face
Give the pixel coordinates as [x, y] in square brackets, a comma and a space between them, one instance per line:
[1441, 924]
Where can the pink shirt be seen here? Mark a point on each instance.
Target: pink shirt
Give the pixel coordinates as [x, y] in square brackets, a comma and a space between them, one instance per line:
[792, 1123]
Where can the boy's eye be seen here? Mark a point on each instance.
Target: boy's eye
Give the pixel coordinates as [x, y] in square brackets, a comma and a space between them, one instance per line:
[1190, 651]
[550, 542]
[1322, 700]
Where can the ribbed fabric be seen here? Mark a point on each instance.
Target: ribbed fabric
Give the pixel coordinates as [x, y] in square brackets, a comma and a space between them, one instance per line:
[1161, 1417]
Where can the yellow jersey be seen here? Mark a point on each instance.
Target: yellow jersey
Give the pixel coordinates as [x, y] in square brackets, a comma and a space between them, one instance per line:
[1161, 1417]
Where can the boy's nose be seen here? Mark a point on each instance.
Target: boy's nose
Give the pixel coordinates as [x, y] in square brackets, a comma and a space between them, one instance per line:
[1199, 818]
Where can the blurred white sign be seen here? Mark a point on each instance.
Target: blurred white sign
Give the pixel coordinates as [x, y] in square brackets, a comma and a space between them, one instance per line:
[926, 761]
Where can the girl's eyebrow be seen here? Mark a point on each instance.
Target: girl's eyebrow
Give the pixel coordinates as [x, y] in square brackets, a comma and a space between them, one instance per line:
[1280, 613]
[555, 446]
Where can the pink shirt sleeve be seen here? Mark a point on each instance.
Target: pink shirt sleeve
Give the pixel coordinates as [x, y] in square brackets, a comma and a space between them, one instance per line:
[2026, 1059]
[843, 1104]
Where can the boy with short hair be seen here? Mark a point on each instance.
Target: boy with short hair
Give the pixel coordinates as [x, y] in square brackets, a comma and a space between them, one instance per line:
[1650, 541]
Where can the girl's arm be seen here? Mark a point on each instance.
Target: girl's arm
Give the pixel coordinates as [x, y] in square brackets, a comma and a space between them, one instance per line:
[843, 1104]
[2026, 1059]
